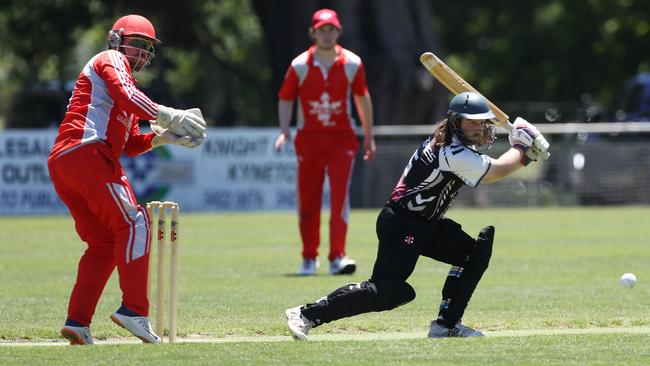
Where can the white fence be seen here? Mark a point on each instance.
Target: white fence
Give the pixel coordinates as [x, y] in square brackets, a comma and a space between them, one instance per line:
[591, 164]
[237, 169]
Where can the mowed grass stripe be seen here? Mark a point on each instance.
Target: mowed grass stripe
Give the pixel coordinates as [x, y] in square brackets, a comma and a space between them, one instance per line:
[329, 337]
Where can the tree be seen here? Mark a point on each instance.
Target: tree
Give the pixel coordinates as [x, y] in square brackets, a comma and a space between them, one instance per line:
[229, 56]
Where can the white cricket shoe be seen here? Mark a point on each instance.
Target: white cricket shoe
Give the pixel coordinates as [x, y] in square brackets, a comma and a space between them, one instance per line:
[77, 335]
[138, 325]
[440, 331]
[299, 326]
[308, 267]
[342, 265]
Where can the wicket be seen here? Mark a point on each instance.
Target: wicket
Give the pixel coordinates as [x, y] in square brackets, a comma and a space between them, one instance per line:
[160, 265]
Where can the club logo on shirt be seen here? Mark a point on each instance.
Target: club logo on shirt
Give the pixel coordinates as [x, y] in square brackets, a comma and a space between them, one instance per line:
[409, 239]
[325, 109]
[124, 120]
[428, 154]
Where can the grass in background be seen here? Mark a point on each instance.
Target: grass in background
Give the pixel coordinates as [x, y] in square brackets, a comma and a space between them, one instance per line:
[551, 268]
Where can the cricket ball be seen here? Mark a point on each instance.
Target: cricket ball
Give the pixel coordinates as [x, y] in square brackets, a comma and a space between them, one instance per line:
[628, 280]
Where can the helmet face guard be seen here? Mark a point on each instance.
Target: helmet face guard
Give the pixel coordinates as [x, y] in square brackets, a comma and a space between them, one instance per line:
[473, 106]
[486, 137]
[139, 51]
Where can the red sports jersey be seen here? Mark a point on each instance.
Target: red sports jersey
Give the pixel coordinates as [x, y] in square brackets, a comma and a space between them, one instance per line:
[105, 106]
[324, 96]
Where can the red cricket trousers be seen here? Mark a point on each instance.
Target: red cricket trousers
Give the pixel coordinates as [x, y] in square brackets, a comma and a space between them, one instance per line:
[100, 199]
[321, 153]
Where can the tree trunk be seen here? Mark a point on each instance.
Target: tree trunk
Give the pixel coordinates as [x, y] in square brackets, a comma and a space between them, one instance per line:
[389, 36]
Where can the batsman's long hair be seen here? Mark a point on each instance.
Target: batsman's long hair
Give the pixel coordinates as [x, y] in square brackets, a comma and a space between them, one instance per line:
[443, 133]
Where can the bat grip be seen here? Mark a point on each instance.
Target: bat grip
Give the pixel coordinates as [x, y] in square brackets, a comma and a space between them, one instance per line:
[508, 126]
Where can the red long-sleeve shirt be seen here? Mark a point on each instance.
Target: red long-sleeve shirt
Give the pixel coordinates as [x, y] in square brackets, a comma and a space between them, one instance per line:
[105, 106]
[324, 95]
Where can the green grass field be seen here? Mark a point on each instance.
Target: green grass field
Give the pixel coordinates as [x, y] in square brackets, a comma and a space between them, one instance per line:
[550, 297]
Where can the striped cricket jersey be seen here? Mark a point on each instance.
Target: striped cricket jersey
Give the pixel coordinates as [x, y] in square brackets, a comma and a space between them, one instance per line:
[324, 95]
[106, 106]
[434, 175]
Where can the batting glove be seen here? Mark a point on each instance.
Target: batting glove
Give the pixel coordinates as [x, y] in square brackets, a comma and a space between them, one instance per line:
[540, 142]
[188, 122]
[531, 155]
[522, 138]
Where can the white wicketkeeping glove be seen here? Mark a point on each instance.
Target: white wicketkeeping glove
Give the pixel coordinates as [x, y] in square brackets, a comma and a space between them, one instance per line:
[166, 136]
[188, 122]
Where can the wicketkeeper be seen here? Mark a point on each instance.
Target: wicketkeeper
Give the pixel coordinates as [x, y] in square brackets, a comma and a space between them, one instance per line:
[412, 223]
[101, 123]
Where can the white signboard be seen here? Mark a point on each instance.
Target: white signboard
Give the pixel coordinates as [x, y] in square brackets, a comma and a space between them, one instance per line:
[235, 169]
[25, 186]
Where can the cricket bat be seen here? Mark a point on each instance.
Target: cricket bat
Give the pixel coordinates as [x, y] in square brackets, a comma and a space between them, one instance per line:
[456, 84]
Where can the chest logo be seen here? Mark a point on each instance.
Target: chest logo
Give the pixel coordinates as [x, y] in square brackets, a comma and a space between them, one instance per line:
[124, 120]
[324, 109]
[409, 239]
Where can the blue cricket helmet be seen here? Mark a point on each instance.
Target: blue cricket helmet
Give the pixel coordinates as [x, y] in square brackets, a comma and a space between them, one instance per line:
[471, 105]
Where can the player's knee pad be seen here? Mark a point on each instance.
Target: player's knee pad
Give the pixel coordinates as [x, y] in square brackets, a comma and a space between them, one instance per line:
[480, 256]
[390, 293]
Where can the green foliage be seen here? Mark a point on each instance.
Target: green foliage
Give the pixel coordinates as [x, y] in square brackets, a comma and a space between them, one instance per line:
[547, 50]
[214, 55]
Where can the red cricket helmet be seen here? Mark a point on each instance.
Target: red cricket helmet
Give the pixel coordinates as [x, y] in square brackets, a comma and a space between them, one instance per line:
[135, 36]
[132, 25]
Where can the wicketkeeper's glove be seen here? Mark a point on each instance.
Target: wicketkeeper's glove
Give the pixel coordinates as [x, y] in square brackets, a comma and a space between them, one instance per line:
[166, 136]
[187, 122]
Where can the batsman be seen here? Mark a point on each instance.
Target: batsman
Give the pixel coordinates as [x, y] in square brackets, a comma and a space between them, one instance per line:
[413, 223]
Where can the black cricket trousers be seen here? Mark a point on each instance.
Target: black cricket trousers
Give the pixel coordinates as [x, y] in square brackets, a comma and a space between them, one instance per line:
[403, 238]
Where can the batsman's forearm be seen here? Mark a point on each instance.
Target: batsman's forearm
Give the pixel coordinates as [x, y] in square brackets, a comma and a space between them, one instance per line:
[285, 109]
[503, 166]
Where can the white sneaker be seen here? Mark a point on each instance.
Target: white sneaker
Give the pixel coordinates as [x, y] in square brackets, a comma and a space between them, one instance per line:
[342, 265]
[440, 331]
[308, 267]
[299, 326]
[77, 335]
[138, 325]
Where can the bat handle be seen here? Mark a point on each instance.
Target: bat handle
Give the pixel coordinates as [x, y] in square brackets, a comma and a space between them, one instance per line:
[508, 126]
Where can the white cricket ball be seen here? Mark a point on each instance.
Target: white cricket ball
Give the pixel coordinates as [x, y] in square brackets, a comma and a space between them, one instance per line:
[628, 280]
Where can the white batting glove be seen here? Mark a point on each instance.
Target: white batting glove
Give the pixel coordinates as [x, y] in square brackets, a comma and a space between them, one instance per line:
[540, 141]
[521, 138]
[188, 122]
[530, 156]
[166, 136]
[520, 122]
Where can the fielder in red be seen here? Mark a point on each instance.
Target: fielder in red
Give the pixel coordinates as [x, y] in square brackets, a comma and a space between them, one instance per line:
[101, 123]
[322, 79]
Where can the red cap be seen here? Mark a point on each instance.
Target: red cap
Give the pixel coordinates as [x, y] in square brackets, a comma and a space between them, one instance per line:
[135, 25]
[325, 16]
